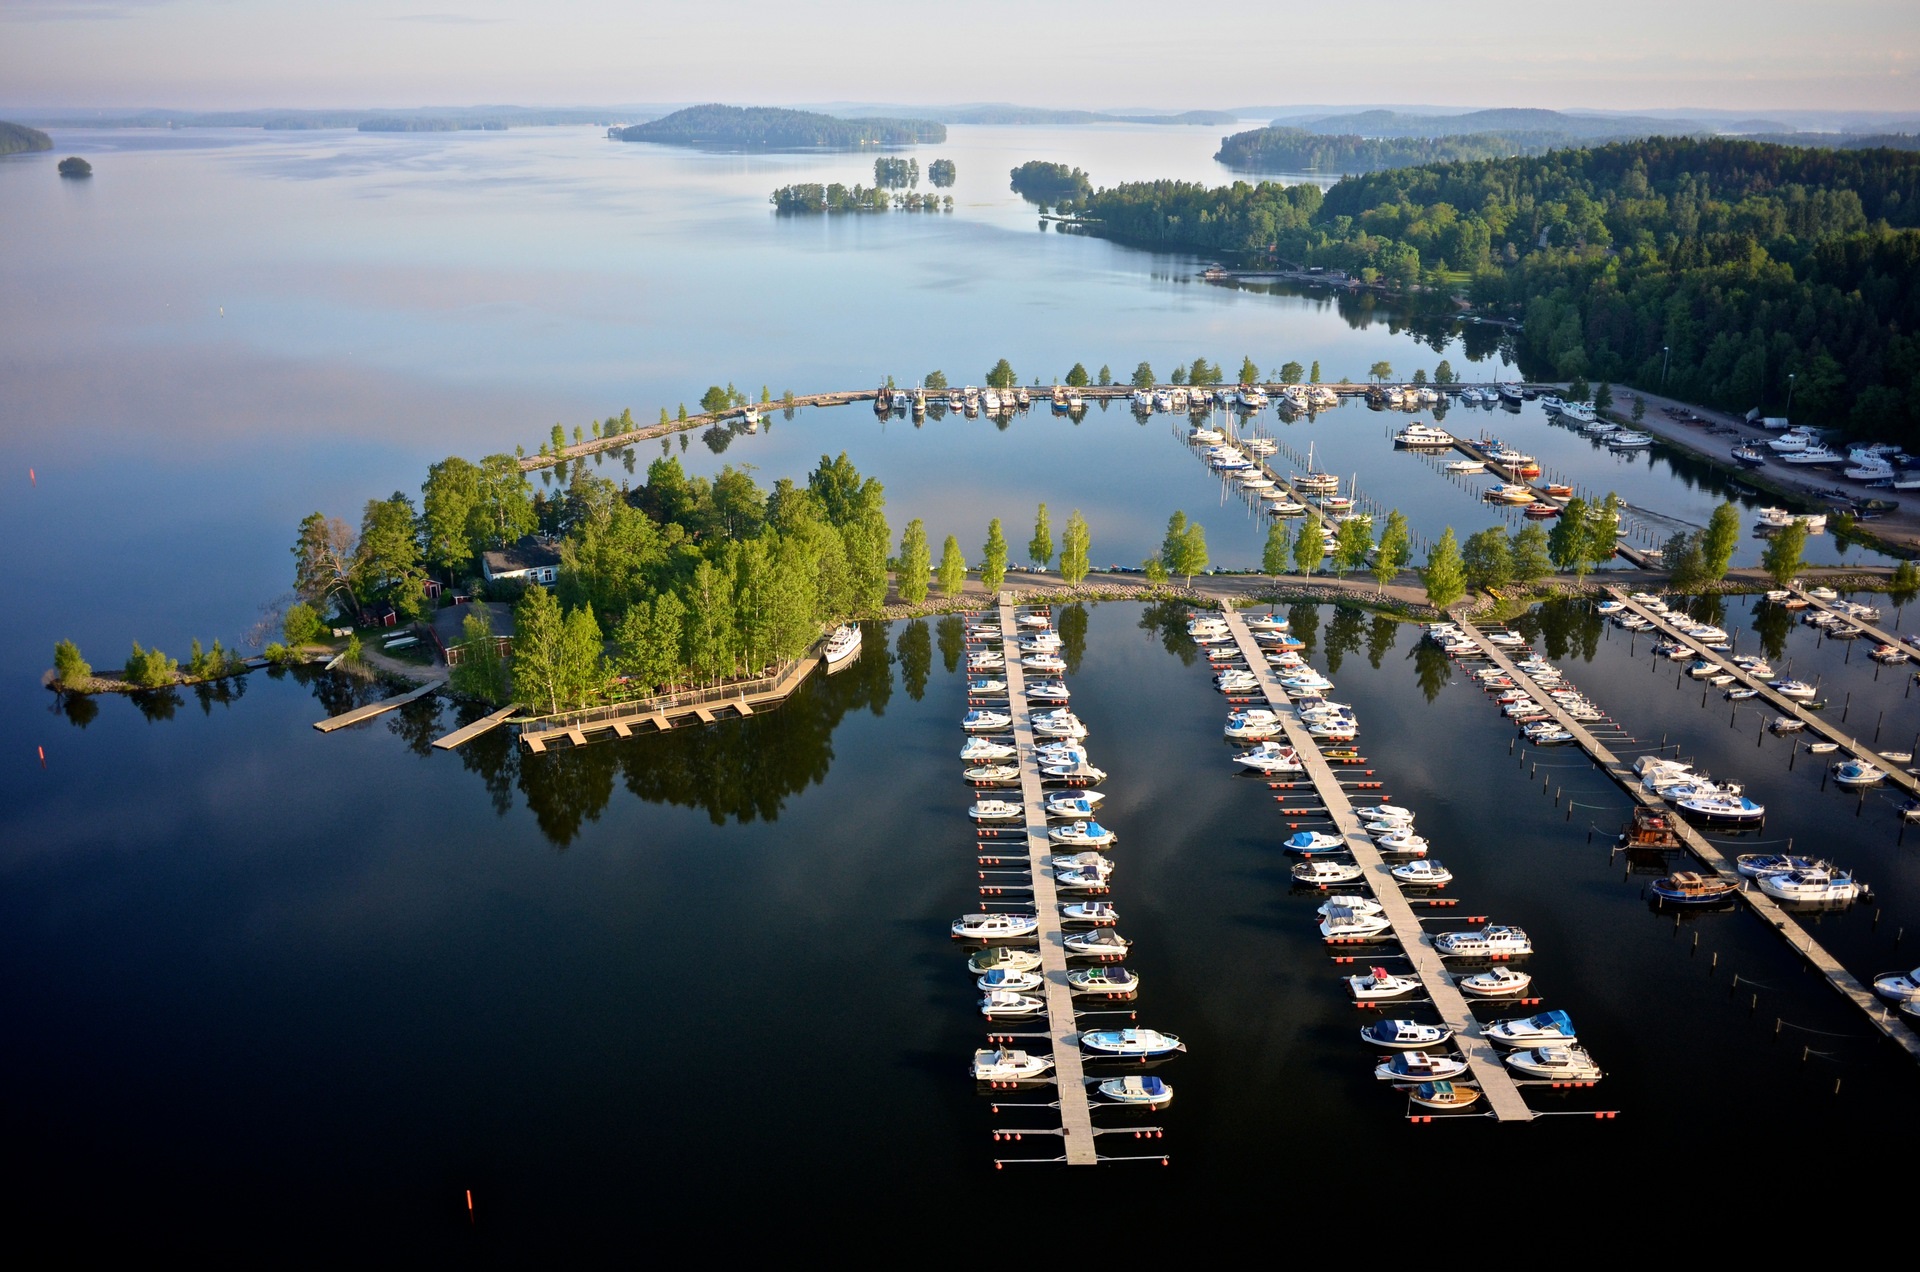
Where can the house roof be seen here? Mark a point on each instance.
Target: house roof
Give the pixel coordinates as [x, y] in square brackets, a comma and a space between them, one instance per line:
[528, 554]
[449, 622]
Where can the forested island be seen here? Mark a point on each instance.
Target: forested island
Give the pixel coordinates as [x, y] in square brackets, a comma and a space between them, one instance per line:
[1297, 150]
[1040, 182]
[17, 138]
[1707, 268]
[768, 128]
[75, 166]
[812, 198]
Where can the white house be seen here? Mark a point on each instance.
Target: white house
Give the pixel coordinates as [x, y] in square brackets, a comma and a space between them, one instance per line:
[530, 559]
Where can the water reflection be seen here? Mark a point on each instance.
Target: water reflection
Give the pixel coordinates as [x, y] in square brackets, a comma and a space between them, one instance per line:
[1344, 635]
[915, 649]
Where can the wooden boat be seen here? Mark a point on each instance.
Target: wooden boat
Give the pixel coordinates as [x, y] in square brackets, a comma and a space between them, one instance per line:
[1445, 1096]
[1689, 887]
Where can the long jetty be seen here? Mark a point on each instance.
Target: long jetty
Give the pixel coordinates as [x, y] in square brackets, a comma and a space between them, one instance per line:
[1076, 1113]
[373, 709]
[1880, 1014]
[1495, 1080]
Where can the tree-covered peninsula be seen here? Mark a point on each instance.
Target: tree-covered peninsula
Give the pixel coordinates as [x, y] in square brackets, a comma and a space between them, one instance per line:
[1298, 150]
[17, 138]
[768, 128]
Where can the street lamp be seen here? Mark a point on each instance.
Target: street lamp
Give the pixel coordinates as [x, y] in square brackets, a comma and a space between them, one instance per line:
[1664, 351]
[1790, 394]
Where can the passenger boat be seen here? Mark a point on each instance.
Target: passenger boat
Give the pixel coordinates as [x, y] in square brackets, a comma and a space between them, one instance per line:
[1689, 887]
[1100, 942]
[986, 721]
[1010, 978]
[842, 644]
[995, 927]
[996, 810]
[1308, 843]
[1081, 834]
[1072, 805]
[1558, 1064]
[1131, 1042]
[984, 748]
[1090, 912]
[1810, 886]
[1445, 1096]
[1497, 982]
[1005, 1064]
[1856, 774]
[1423, 873]
[1344, 923]
[1902, 987]
[1002, 1004]
[1148, 1091]
[1496, 940]
[1008, 957]
[1405, 1035]
[1379, 984]
[1103, 978]
[1420, 1066]
[1271, 757]
[1549, 1028]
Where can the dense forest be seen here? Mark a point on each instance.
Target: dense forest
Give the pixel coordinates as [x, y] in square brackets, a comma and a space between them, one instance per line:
[1570, 129]
[1041, 182]
[764, 127]
[1711, 268]
[15, 138]
[1297, 150]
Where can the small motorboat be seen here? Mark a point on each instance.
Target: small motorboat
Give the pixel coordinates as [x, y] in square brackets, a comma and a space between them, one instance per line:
[1100, 942]
[1496, 940]
[1755, 864]
[1268, 623]
[1131, 1042]
[1822, 748]
[1349, 923]
[1857, 774]
[1103, 978]
[1004, 1064]
[1792, 688]
[1379, 985]
[1044, 662]
[995, 927]
[978, 748]
[1420, 1066]
[1549, 1028]
[996, 810]
[1072, 805]
[1003, 1004]
[1035, 622]
[1271, 757]
[1786, 724]
[992, 772]
[1689, 887]
[1813, 886]
[1741, 695]
[1497, 982]
[1010, 979]
[1058, 723]
[1148, 1091]
[984, 721]
[1089, 912]
[1902, 987]
[1307, 843]
[1404, 1035]
[1082, 834]
[1080, 772]
[1723, 807]
[987, 686]
[1011, 958]
[987, 660]
[1557, 1064]
[1048, 691]
[1445, 1096]
[1252, 725]
[1321, 873]
[1402, 842]
[1425, 872]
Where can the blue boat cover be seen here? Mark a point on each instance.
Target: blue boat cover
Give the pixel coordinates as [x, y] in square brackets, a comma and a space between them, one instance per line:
[1153, 1086]
[1548, 1019]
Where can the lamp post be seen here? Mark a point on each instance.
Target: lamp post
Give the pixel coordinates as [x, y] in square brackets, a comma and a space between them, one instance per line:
[1790, 395]
[1665, 350]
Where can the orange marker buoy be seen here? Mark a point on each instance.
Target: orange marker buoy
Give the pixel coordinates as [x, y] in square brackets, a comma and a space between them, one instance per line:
[32, 477]
[43, 755]
[469, 1205]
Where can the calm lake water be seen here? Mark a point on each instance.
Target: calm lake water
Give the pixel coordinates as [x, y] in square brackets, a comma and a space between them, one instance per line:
[269, 985]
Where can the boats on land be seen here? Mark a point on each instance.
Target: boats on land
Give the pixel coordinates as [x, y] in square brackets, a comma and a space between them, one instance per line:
[1810, 886]
[1690, 887]
[1003, 1004]
[996, 810]
[1010, 978]
[1103, 978]
[998, 926]
[1496, 940]
[1425, 873]
[1445, 1096]
[1100, 942]
[1901, 987]
[842, 644]
[1405, 1035]
[1148, 1091]
[1131, 1042]
[1321, 873]
[1009, 957]
[1420, 1066]
[1379, 984]
[1549, 1028]
[1557, 1064]
[1006, 1064]
[1497, 982]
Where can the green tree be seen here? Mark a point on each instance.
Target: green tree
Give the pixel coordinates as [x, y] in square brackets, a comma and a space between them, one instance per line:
[559, 440]
[1639, 408]
[1487, 559]
[1180, 375]
[916, 562]
[70, 670]
[1444, 576]
[936, 380]
[665, 420]
[1075, 546]
[449, 498]
[647, 643]
[149, 668]
[1685, 560]
[1904, 584]
[1570, 545]
[1077, 377]
[1531, 560]
[323, 559]
[582, 664]
[1173, 544]
[1155, 569]
[1352, 540]
[481, 672]
[1040, 547]
[1249, 373]
[1106, 375]
[1443, 374]
[1313, 376]
[386, 567]
[1274, 556]
[503, 510]
[1309, 546]
[300, 625]
[953, 568]
[1193, 552]
[1603, 536]
[1782, 559]
[1395, 550]
[1143, 376]
[1002, 376]
[1603, 398]
[1290, 372]
[1721, 538]
[710, 635]
[993, 561]
[1204, 372]
[866, 538]
[1381, 371]
[539, 634]
[1577, 390]
[715, 400]
[1419, 375]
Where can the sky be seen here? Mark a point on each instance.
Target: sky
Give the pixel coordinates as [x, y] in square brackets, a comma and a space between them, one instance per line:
[1750, 55]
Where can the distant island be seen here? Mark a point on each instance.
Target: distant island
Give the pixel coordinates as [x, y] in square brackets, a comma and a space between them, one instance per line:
[766, 128]
[16, 138]
[75, 166]
[1030, 115]
[1038, 181]
[410, 123]
[1298, 150]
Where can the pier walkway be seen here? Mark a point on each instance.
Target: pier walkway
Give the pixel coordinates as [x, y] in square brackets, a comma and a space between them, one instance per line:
[658, 714]
[1880, 1013]
[467, 733]
[1489, 1071]
[1076, 1114]
[1874, 630]
[373, 709]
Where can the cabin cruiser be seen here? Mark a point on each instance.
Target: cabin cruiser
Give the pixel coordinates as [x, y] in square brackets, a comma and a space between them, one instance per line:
[1402, 842]
[1048, 691]
[1755, 864]
[1786, 724]
[1082, 864]
[1058, 723]
[1236, 680]
[1321, 873]
[1496, 982]
[1855, 774]
[1549, 1028]
[1148, 1091]
[1420, 1066]
[1005, 1064]
[1268, 623]
[1041, 643]
[1271, 757]
[1103, 978]
[1306, 843]
[1379, 984]
[1035, 621]
[983, 748]
[1689, 887]
[1001, 1004]
[1814, 453]
[1721, 807]
[1100, 942]
[1342, 923]
[1044, 662]
[1405, 1035]
[1079, 771]
[842, 644]
[1902, 987]
[1209, 627]
[1072, 805]
[1011, 958]
[1792, 688]
[996, 810]
[1496, 940]
[1252, 724]
[1423, 873]
[986, 721]
[1423, 437]
[1810, 885]
[986, 660]
[995, 927]
[1559, 1064]
[1090, 912]
[1008, 978]
[1131, 1042]
[1084, 834]
[1467, 466]
[1444, 1096]
[1625, 439]
[1210, 436]
[992, 772]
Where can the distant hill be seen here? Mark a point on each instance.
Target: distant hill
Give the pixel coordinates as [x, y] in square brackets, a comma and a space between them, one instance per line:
[1842, 141]
[15, 138]
[767, 128]
[1041, 115]
[418, 124]
[1388, 123]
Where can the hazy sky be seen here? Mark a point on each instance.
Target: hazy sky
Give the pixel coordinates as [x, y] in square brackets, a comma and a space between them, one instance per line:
[1746, 55]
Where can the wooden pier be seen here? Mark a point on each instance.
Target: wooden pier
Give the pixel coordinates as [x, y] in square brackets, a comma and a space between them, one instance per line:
[467, 733]
[1880, 1013]
[1076, 1113]
[539, 733]
[371, 710]
[1495, 1080]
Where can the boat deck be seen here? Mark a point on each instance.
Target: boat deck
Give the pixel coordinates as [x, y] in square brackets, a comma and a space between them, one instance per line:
[1781, 920]
[1495, 1080]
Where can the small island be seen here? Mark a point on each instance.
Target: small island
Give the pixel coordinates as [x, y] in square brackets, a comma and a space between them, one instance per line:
[75, 166]
[18, 138]
[766, 128]
[1040, 182]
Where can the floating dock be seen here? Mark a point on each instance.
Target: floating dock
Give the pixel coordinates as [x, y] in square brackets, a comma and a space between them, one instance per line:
[1879, 1012]
[371, 710]
[1495, 1080]
[660, 714]
[461, 736]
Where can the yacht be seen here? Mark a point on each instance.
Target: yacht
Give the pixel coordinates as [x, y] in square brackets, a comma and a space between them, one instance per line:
[990, 402]
[992, 774]
[1792, 688]
[1623, 439]
[1321, 873]
[996, 810]
[1813, 454]
[1401, 842]
[986, 721]
[1558, 1064]
[1493, 941]
[842, 644]
[1425, 873]
[1012, 958]
[995, 927]
[1341, 923]
[1148, 1091]
[1379, 984]
[981, 748]
[1268, 623]
[1579, 412]
[1252, 725]
[1072, 805]
[1100, 942]
[1004, 1004]
[1114, 982]
[1868, 468]
[1134, 1043]
[1901, 987]
[1546, 1029]
[1010, 978]
[1497, 982]
[1810, 885]
[1404, 1035]
[1005, 1064]
[1420, 1066]
[1722, 807]
[1419, 436]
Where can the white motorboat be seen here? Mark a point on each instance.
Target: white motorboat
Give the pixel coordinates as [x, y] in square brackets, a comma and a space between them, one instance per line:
[1131, 1042]
[1099, 942]
[1005, 1064]
[1379, 985]
[1081, 834]
[1322, 873]
[1497, 982]
[1011, 957]
[1072, 805]
[1008, 978]
[1252, 724]
[995, 927]
[986, 721]
[1268, 623]
[1496, 940]
[1549, 1028]
[987, 660]
[1148, 1091]
[1425, 872]
[986, 687]
[842, 644]
[1044, 662]
[1090, 912]
[1404, 1035]
[1810, 886]
[1419, 436]
[1105, 979]
[992, 773]
[1044, 642]
[1087, 860]
[1035, 620]
[996, 810]
[1754, 864]
[1058, 723]
[1048, 691]
[1626, 439]
[1786, 724]
[1402, 841]
[1002, 1004]
[1857, 774]
[1420, 1066]
[1721, 806]
[1271, 757]
[1308, 842]
[1080, 773]
[1901, 987]
[1792, 688]
[1343, 924]
[983, 748]
[1557, 1064]
[1467, 466]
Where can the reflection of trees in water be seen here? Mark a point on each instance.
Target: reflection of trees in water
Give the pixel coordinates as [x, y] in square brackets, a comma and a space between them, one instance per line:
[1168, 619]
[1710, 608]
[1773, 622]
[1344, 635]
[1303, 619]
[1431, 668]
[157, 704]
[417, 724]
[79, 708]
[226, 691]
[1381, 638]
[953, 641]
[915, 648]
[1565, 626]
[1073, 636]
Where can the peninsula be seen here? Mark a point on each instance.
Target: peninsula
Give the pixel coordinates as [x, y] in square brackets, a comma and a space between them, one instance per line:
[16, 138]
